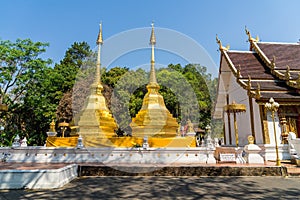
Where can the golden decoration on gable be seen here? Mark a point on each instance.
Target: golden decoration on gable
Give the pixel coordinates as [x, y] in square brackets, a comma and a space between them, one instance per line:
[238, 72]
[249, 83]
[221, 47]
[273, 63]
[249, 87]
[250, 38]
[287, 73]
[257, 92]
[298, 81]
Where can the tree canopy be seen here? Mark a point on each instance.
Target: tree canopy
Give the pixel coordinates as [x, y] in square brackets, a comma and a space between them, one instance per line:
[21, 83]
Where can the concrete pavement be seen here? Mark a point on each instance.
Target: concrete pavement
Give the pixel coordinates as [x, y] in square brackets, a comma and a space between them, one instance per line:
[167, 188]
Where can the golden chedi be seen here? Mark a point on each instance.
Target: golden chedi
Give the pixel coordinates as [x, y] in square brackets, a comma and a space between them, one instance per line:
[154, 119]
[96, 124]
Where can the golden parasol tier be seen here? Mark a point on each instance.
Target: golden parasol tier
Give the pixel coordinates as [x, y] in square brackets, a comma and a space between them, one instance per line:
[235, 108]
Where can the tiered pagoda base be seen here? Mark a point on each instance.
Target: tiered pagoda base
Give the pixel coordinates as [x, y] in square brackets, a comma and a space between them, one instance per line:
[123, 142]
[154, 119]
[94, 134]
[154, 123]
[95, 121]
[53, 141]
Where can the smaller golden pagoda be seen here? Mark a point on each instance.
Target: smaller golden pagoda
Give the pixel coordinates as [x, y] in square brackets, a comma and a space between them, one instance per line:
[154, 119]
[95, 122]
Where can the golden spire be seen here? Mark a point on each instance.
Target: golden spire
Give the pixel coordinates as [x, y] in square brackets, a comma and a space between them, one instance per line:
[99, 38]
[152, 69]
[153, 119]
[98, 64]
[152, 38]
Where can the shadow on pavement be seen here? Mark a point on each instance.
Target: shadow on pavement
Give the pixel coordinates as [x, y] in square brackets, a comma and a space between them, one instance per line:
[167, 188]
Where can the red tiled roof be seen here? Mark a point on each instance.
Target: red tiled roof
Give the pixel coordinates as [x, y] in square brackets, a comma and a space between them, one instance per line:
[250, 64]
[288, 96]
[285, 54]
[269, 85]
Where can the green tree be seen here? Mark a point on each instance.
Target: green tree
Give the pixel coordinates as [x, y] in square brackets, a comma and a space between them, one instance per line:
[112, 76]
[197, 76]
[127, 97]
[75, 62]
[69, 66]
[22, 70]
[185, 91]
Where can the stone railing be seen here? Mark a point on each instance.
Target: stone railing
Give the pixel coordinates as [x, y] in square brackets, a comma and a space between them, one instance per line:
[294, 147]
[106, 155]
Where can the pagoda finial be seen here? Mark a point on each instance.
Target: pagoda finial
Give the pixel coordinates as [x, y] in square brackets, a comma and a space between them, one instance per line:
[99, 38]
[152, 38]
[98, 63]
[152, 69]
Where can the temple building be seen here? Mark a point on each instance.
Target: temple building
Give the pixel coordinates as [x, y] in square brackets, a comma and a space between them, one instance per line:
[154, 119]
[251, 78]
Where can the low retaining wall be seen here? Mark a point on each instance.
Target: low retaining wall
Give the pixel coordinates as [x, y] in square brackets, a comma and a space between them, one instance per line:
[37, 178]
[86, 170]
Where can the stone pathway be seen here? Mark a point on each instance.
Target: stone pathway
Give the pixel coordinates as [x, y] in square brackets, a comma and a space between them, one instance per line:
[167, 188]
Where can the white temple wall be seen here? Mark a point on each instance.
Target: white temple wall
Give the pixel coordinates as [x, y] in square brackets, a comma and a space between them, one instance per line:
[239, 95]
[271, 128]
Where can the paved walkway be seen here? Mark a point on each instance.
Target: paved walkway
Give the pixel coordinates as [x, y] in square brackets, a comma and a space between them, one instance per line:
[167, 188]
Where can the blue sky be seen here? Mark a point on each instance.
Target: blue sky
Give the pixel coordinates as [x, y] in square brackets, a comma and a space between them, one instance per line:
[63, 22]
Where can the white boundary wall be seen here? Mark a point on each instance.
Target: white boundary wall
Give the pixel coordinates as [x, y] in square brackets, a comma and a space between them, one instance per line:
[106, 155]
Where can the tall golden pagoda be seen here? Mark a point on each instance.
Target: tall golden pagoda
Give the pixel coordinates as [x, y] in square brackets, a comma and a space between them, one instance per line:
[96, 123]
[154, 119]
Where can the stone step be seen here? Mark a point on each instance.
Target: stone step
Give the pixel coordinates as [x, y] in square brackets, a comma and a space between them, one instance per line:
[293, 171]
